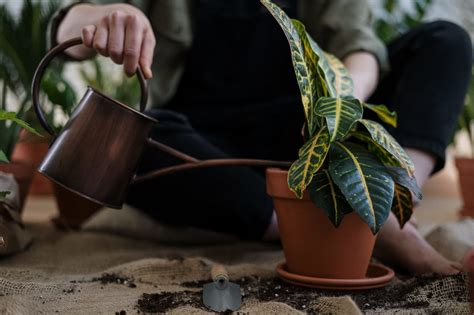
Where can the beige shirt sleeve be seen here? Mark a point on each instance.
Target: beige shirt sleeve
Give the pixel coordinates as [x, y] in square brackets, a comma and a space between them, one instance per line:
[342, 27]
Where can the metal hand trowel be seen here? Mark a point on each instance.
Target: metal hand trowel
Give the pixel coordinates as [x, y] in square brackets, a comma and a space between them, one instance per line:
[221, 295]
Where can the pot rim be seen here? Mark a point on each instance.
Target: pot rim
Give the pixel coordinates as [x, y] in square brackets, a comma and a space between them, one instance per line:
[274, 178]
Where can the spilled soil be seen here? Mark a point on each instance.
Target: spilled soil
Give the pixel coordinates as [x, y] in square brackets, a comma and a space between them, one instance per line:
[408, 293]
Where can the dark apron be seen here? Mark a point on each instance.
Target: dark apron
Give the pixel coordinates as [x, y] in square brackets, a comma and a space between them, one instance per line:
[239, 61]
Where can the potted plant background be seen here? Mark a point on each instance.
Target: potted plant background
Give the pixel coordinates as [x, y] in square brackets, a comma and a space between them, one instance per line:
[22, 45]
[465, 165]
[22, 173]
[349, 175]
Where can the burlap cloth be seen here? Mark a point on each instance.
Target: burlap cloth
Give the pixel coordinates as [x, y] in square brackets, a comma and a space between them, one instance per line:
[62, 271]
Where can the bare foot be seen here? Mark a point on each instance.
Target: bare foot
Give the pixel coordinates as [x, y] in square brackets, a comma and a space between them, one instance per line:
[407, 249]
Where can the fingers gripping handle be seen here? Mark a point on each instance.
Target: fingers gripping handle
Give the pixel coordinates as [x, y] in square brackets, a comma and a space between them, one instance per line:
[35, 87]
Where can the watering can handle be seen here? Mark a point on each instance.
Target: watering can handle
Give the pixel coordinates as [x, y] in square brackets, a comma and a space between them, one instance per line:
[35, 88]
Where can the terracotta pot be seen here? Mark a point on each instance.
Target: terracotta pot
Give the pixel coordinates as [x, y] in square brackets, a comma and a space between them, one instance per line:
[73, 209]
[466, 179]
[32, 150]
[312, 245]
[23, 173]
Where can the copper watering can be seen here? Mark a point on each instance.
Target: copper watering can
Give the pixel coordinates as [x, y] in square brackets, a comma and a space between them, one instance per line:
[97, 152]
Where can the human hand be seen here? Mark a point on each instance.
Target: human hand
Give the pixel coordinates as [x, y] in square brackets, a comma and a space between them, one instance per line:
[126, 36]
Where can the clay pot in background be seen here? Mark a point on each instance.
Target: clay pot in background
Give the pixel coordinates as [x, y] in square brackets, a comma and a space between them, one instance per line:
[311, 244]
[73, 209]
[465, 168]
[32, 149]
[23, 173]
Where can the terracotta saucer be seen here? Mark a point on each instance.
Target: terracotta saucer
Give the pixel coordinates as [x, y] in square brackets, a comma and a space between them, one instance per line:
[377, 276]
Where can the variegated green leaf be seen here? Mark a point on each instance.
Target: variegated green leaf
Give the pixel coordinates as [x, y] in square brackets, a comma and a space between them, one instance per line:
[311, 158]
[399, 174]
[401, 177]
[342, 82]
[402, 205]
[327, 196]
[383, 113]
[325, 69]
[364, 181]
[384, 139]
[304, 59]
[315, 58]
[383, 155]
[3, 157]
[340, 113]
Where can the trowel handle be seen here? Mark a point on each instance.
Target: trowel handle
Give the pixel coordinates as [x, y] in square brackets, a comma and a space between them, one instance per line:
[219, 273]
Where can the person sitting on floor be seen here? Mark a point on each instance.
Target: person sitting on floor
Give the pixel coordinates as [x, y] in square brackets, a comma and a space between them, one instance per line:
[224, 86]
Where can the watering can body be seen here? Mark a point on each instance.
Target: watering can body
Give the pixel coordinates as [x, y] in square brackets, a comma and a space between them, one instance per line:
[96, 153]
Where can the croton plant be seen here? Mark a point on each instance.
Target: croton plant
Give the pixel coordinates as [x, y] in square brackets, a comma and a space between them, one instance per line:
[347, 163]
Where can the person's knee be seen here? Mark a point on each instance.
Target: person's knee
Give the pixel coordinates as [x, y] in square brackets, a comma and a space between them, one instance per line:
[450, 36]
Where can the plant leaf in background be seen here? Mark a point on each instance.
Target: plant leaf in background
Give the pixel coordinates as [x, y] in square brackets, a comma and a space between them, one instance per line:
[120, 88]
[311, 158]
[341, 114]
[395, 20]
[13, 117]
[326, 195]
[3, 194]
[365, 182]
[3, 157]
[59, 90]
[22, 45]
[402, 206]
[383, 113]
[385, 140]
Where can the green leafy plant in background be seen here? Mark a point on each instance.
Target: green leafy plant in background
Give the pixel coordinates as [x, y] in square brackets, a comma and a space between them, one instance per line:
[118, 86]
[347, 163]
[22, 45]
[393, 20]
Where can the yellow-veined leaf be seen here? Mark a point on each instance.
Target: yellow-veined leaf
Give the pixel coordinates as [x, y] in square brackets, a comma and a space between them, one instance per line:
[401, 177]
[321, 81]
[303, 58]
[340, 113]
[364, 181]
[386, 115]
[381, 136]
[399, 174]
[342, 82]
[311, 158]
[383, 155]
[402, 205]
[326, 195]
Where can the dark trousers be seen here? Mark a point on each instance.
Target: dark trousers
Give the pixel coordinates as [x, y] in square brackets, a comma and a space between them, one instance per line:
[431, 67]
